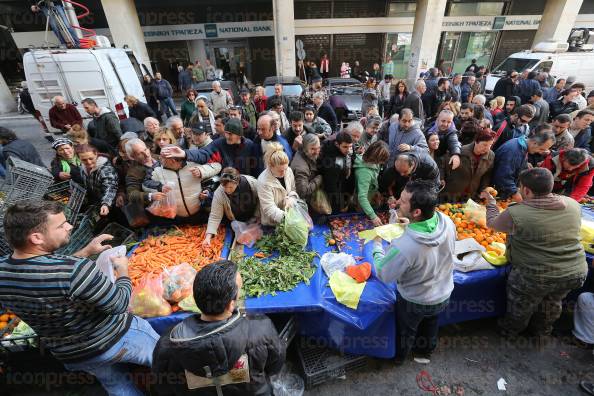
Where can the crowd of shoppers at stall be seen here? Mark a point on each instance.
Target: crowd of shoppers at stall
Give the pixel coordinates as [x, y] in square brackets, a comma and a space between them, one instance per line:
[438, 140]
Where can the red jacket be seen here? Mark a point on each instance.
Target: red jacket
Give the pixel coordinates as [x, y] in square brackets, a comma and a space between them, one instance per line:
[574, 184]
[68, 116]
[260, 103]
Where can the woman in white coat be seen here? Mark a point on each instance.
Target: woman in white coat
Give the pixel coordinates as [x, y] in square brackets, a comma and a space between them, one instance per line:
[236, 199]
[275, 185]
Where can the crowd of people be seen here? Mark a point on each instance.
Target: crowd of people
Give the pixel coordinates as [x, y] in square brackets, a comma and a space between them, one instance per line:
[414, 147]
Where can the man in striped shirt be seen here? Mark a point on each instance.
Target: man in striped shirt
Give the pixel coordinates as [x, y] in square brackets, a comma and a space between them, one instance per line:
[78, 313]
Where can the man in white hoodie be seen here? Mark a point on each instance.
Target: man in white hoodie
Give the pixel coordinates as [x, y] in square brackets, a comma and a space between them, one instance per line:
[421, 262]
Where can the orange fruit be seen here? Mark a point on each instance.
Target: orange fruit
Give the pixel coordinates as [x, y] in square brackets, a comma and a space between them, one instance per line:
[4, 318]
[3, 325]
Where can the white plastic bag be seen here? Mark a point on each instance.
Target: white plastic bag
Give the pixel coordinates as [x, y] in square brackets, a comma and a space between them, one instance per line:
[286, 383]
[104, 261]
[393, 216]
[332, 262]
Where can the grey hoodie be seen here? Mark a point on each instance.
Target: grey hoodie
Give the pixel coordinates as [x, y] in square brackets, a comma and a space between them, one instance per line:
[414, 137]
[421, 261]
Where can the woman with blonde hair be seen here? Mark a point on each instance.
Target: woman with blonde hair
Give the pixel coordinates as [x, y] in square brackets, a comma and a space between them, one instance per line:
[138, 109]
[497, 106]
[163, 137]
[80, 136]
[275, 185]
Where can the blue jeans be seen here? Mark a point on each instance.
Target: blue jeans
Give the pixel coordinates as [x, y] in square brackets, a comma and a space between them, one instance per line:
[416, 327]
[110, 368]
[167, 105]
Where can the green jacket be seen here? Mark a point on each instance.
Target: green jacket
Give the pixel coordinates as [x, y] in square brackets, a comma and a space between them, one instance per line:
[198, 73]
[187, 108]
[545, 243]
[366, 177]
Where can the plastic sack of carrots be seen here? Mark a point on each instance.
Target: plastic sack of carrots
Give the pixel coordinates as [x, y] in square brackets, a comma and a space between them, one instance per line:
[147, 298]
[178, 282]
[167, 207]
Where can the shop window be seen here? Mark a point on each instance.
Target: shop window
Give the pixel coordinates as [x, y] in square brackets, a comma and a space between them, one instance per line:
[397, 54]
[459, 48]
[475, 8]
[402, 10]
[523, 7]
[313, 9]
[359, 9]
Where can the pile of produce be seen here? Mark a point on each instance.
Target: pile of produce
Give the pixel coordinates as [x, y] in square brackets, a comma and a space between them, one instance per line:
[178, 245]
[284, 272]
[468, 227]
[348, 228]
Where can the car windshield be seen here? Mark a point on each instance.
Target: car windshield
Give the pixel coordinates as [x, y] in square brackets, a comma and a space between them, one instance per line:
[289, 90]
[517, 64]
[346, 88]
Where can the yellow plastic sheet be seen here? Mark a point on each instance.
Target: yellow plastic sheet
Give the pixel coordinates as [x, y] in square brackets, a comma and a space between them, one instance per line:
[387, 232]
[587, 233]
[494, 258]
[346, 290]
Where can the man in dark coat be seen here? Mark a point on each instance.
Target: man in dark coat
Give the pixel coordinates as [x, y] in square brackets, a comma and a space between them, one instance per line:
[18, 148]
[220, 350]
[325, 111]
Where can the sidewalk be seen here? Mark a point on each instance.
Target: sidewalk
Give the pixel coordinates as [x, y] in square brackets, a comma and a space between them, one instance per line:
[15, 116]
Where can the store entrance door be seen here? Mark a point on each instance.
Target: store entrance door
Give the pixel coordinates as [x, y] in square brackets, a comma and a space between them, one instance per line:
[232, 57]
[448, 52]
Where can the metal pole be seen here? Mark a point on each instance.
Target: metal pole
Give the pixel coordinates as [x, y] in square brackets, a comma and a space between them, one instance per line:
[71, 14]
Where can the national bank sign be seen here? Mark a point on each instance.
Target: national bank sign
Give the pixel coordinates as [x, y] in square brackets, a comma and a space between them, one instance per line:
[208, 31]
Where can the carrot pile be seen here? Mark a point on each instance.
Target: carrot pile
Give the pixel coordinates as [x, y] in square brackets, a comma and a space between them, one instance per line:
[180, 245]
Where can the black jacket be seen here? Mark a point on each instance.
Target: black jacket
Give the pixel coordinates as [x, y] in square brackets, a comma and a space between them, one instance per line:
[413, 101]
[396, 104]
[22, 150]
[504, 87]
[106, 126]
[558, 107]
[336, 171]
[141, 111]
[425, 168]
[287, 106]
[194, 344]
[327, 113]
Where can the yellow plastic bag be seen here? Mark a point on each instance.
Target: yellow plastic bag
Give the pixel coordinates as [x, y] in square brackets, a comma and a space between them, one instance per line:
[346, 290]
[386, 232]
[587, 233]
[493, 257]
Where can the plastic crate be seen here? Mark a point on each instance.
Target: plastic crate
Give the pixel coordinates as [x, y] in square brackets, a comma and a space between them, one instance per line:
[75, 202]
[26, 181]
[322, 364]
[121, 235]
[5, 249]
[79, 238]
[59, 192]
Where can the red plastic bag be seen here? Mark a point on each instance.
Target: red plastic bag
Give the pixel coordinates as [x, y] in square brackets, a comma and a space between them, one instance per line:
[178, 282]
[166, 207]
[246, 234]
[147, 298]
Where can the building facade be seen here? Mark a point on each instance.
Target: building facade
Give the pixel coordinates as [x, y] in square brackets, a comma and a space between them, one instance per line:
[402, 36]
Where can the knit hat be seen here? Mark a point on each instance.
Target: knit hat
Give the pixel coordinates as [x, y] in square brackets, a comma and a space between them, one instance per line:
[591, 94]
[316, 78]
[233, 125]
[60, 142]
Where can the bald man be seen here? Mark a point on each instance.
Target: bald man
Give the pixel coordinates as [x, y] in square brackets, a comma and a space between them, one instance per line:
[64, 115]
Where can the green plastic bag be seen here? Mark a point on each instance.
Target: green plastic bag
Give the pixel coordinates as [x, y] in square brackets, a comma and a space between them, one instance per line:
[296, 225]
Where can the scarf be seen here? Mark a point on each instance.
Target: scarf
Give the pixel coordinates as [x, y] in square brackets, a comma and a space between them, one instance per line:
[65, 164]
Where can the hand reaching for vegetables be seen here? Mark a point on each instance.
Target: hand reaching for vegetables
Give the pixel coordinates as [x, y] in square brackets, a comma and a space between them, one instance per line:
[377, 222]
[206, 241]
[173, 152]
[95, 246]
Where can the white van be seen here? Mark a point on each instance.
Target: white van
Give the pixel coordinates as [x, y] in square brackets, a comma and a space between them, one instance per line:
[103, 74]
[547, 55]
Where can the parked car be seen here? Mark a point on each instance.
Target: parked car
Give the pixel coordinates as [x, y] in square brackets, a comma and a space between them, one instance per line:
[350, 90]
[205, 88]
[292, 87]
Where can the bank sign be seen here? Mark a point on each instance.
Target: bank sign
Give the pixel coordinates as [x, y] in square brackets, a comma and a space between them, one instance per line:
[208, 31]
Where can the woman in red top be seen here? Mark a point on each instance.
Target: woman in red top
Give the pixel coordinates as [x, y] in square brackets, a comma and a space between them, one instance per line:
[573, 170]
